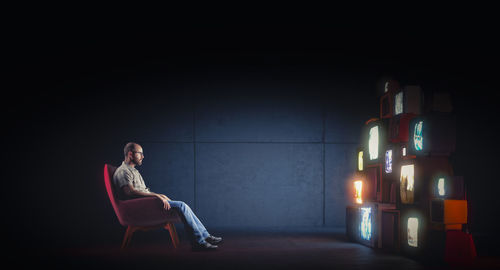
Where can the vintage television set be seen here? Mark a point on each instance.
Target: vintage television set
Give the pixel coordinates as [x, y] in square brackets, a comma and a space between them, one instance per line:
[432, 134]
[390, 230]
[416, 178]
[408, 100]
[399, 127]
[374, 140]
[448, 187]
[370, 222]
[448, 214]
[378, 187]
[414, 231]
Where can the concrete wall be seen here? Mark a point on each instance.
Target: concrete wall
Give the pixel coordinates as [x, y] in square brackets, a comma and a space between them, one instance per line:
[244, 158]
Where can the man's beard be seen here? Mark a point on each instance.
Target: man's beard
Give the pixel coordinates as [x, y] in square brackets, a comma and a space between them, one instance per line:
[137, 162]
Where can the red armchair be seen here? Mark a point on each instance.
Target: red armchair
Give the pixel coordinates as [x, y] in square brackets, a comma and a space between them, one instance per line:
[140, 214]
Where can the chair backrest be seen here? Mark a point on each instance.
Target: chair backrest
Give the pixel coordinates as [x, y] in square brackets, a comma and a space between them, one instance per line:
[109, 171]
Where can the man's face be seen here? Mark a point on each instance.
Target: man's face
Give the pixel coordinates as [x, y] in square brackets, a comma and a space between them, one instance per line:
[137, 156]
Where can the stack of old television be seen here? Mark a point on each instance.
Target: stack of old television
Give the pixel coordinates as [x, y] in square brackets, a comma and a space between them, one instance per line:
[406, 196]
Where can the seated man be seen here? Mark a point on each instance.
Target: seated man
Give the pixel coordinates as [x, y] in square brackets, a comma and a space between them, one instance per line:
[130, 185]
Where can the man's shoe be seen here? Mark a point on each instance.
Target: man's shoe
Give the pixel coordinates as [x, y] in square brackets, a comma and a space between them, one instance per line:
[204, 247]
[213, 240]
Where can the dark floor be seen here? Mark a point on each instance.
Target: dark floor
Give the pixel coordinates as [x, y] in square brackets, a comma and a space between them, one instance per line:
[306, 249]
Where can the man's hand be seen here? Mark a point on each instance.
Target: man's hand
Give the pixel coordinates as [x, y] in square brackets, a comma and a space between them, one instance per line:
[164, 199]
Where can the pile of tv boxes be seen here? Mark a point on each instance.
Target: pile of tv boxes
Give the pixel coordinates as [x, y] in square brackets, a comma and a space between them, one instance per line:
[405, 194]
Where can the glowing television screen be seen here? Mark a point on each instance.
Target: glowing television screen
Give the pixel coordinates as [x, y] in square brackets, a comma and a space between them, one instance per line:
[358, 189]
[412, 232]
[366, 223]
[360, 160]
[388, 161]
[373, 143]
[418, 139]
[374, 139]
[407, 183]
[440, 187]
[398, 103]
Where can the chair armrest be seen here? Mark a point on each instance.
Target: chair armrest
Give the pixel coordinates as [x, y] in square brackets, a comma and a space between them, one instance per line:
[146, 211]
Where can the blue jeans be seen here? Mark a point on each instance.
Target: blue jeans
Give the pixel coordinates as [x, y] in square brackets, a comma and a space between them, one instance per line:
[192, 224]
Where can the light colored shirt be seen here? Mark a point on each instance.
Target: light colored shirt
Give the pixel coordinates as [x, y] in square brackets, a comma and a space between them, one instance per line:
[125, 175]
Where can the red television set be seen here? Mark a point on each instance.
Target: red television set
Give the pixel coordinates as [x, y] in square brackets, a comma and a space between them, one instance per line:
[374, 140]
[378, 187]
[416, 178]
[408, 100]
[399, 127]
[432, 134]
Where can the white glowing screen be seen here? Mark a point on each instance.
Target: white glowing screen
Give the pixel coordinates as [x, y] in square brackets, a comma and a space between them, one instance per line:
[413, 232]
[441, 187]
[373, 143]
[398, 103]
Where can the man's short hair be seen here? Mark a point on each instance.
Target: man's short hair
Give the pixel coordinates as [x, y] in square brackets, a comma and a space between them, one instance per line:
[129, 147]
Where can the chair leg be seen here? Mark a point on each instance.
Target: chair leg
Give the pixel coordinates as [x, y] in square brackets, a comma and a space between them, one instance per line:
[128, 236]
[173, 234]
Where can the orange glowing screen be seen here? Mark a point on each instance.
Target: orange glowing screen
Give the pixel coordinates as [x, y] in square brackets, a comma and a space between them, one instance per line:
[358, 187]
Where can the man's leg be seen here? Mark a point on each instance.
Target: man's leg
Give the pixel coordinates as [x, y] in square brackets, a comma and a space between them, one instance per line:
[192, 224]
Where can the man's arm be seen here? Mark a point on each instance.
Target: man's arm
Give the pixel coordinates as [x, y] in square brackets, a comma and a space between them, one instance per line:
[130, 191]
